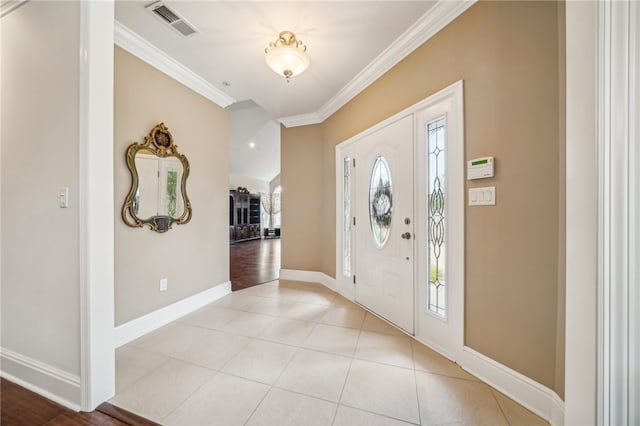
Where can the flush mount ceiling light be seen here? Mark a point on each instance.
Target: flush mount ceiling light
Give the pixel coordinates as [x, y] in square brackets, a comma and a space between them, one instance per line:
[287, 55]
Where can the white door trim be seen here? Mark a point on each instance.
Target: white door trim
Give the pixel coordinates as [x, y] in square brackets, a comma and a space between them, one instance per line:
[581, 212]
[618, 221]
[97, 355]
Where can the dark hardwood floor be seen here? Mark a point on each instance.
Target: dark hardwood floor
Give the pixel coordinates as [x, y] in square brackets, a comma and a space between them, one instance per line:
[254, 262]
[21, 407]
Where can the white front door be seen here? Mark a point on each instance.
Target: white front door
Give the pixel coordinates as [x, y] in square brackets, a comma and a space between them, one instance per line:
[384, 223]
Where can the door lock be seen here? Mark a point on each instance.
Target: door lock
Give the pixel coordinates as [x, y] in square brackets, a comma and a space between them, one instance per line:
[407, 221]
[406, 235]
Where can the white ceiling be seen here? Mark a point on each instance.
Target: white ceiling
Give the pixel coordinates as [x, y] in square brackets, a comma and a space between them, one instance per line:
[254, 148]
[342, 38]
[350, 44]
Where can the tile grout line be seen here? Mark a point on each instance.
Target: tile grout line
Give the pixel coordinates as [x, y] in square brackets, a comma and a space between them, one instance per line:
[305, 395]
[258, 405]
[298, 350]
[236, 354]
[415, 377]
[227, 332]
[495, 398]
[272, 386]
[344, 385]
[169, 359]
[216, 372]
[144, 375]
[379, 414]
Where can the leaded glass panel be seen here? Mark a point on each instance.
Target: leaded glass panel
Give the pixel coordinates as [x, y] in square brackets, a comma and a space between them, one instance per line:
[346, 218]
[380, 201]
[436, 207]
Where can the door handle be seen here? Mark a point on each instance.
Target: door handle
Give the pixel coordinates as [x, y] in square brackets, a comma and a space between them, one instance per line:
[406, 235]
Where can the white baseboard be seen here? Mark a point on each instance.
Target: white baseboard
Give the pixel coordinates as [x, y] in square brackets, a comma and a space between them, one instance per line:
[138, 327]
[527, 392]
[50, 382]
[308, 276]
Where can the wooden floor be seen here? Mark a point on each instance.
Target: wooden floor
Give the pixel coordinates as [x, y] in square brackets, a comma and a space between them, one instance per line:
[21, 407]
[254, 262]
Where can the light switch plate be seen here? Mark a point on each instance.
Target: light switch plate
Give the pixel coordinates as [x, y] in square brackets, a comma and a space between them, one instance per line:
[63, 197]
[482, 196]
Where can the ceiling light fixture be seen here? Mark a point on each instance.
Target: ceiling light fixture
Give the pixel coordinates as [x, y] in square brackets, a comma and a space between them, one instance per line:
[287, 55]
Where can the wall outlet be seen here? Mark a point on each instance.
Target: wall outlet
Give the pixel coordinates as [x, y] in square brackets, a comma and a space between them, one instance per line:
[164, 283]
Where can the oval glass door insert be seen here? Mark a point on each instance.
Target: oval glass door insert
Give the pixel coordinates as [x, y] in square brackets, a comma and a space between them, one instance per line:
[380, 201]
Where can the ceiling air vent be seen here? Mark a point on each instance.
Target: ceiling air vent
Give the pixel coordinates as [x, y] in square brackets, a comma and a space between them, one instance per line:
[171, 17]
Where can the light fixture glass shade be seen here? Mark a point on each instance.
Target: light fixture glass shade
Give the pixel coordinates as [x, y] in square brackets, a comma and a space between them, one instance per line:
[287, 56]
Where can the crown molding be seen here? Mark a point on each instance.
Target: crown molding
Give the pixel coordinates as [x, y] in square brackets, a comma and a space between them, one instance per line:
[138, 46]
[9, 6]
[435, 19]
[301, 120]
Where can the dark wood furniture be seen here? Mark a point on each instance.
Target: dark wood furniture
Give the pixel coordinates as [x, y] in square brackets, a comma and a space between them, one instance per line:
[244, 216]
[272, 232]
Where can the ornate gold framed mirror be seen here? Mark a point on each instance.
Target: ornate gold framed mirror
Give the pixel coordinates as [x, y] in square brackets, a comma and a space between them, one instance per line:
[158, 194]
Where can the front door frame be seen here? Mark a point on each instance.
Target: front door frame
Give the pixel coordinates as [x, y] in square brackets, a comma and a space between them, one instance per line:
[344, 284]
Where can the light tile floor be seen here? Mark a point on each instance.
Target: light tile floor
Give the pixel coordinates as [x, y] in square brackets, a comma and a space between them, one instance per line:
[290, 353]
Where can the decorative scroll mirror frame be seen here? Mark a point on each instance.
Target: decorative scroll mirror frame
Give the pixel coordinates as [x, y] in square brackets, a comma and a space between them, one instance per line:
[158, 143]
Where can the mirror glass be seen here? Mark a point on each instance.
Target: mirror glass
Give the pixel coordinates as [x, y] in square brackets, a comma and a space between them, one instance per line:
[158, 192]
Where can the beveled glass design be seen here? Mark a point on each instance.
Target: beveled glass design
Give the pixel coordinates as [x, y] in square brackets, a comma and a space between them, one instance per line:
[380, 201]
[436, 208]
[346, 217]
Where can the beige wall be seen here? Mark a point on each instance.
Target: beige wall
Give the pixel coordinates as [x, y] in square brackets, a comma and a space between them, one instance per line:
[195, 256]
[507, 54]
[40, 240]
[302, 190]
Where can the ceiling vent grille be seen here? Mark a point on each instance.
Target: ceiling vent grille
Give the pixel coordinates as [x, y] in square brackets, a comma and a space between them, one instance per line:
[171, 17]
